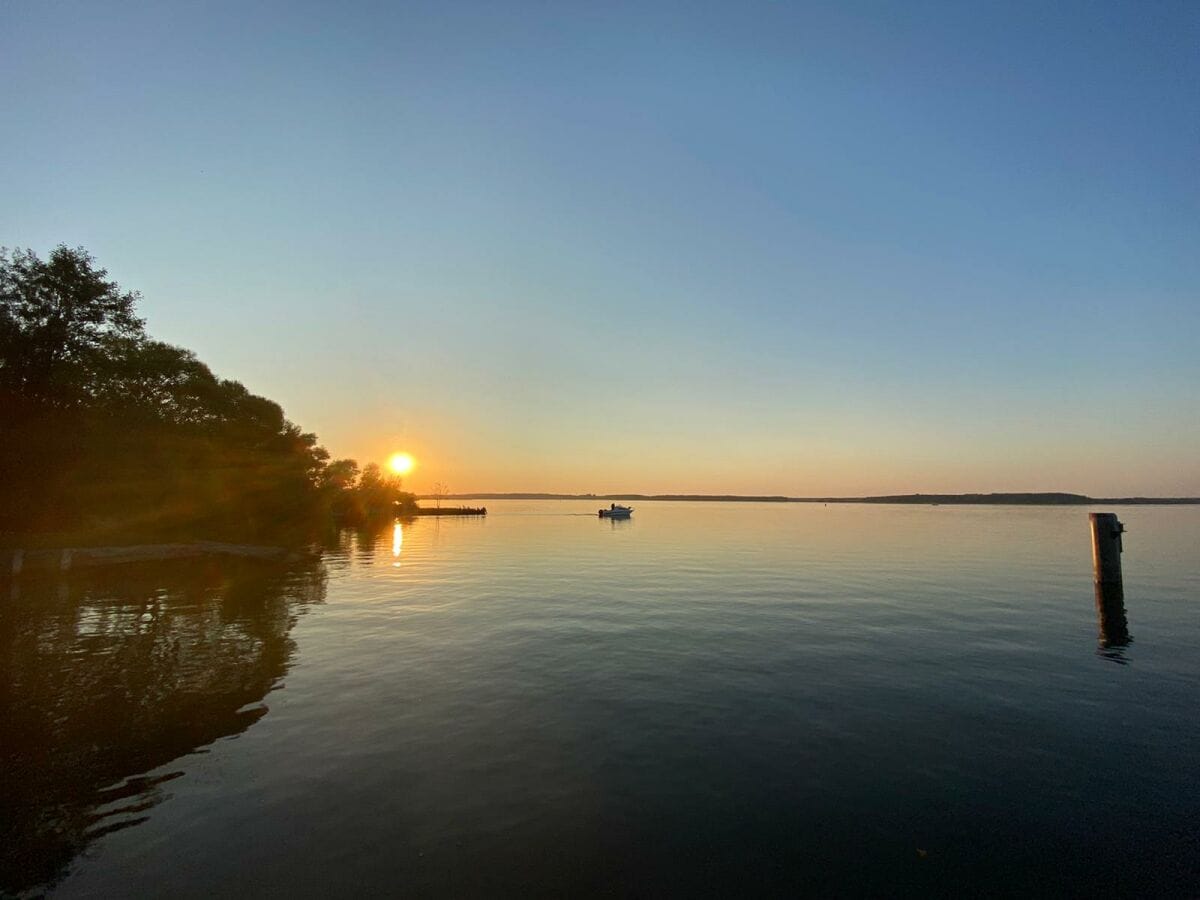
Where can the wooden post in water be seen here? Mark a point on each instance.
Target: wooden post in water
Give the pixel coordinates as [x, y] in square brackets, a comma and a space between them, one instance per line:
[1106, 574]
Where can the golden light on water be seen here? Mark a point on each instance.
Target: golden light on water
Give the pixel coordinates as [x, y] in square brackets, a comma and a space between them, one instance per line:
[401, 463]
[397, 542]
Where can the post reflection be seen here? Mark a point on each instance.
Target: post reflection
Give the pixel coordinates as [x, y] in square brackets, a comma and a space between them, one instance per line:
[112, 674]
[1113, 624]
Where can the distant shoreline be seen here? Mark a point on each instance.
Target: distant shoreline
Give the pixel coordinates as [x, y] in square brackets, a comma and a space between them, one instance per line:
[1015, 499]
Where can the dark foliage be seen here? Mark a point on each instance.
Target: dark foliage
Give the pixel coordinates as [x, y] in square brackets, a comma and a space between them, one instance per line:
[355, 497]
[106, 432]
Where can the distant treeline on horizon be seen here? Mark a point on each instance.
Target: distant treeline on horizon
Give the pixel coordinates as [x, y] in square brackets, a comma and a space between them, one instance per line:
[1009, 499]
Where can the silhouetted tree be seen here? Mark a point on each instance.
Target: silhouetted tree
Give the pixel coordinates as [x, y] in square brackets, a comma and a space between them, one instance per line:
[380, 494]
[55, 317]
[340, 475]
[115, 432]
[338, 483]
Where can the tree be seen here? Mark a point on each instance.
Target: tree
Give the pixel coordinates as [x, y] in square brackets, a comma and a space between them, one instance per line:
[55, 317]
[439, 492]
[120, 434]
[381, 495]
[340, 475]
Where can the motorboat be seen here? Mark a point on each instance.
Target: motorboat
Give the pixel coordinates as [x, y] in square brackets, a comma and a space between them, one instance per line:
[616, 511]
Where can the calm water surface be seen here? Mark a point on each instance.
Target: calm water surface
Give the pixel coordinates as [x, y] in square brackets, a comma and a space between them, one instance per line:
[708, 698]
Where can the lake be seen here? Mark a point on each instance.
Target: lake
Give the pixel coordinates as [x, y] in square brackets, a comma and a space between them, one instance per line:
[709, 698]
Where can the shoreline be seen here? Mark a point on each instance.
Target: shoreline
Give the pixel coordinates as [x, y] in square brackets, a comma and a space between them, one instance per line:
[15, 561]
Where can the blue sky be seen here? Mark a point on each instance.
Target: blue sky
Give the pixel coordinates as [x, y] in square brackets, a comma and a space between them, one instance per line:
[778, 247]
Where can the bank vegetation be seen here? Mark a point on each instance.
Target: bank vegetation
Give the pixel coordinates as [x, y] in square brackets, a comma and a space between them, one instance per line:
[107, 434]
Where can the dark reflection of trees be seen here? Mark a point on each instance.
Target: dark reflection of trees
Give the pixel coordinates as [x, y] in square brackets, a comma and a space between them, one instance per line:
[109, 675]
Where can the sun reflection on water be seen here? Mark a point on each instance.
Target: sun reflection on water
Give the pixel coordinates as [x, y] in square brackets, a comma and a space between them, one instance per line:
[397, 543]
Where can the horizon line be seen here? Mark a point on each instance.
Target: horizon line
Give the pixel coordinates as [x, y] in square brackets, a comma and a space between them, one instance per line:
[1043, 498]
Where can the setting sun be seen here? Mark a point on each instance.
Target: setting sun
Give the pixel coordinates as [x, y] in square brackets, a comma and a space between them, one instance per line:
[401, 463]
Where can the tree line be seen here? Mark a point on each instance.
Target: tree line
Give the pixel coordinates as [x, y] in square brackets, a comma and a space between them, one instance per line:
[107, 432]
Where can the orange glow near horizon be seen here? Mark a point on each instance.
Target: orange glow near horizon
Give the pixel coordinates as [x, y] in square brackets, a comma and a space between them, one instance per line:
[401, 463]
[868, 460]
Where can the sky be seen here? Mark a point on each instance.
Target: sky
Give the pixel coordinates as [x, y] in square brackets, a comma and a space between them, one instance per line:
[756, 247]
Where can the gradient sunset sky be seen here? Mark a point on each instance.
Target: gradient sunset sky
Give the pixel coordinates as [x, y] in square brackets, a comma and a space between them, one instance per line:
[811, 249]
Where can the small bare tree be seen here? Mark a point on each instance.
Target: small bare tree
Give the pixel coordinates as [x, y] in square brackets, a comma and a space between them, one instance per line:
[439, 491]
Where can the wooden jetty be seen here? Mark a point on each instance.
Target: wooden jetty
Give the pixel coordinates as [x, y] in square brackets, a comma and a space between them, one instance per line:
[453, 511]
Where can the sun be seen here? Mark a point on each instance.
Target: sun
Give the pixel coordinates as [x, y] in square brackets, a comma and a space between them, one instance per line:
[401, 463]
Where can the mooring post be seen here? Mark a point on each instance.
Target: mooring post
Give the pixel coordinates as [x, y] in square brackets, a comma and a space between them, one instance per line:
[1106, 575]
[1106, 547]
